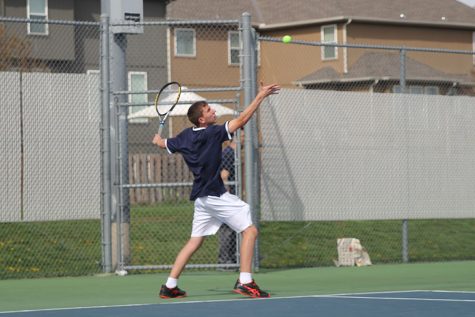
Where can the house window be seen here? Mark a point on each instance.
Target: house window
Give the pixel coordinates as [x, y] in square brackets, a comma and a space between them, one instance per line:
[234, 44]
[185, 42]
[37, 10]
[426, 90]
[328, 34]
[431, 90]
[416, 90]
[234, 49]
[138, 82]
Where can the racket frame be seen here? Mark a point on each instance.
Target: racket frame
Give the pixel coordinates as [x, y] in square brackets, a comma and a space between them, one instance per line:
[164, 116]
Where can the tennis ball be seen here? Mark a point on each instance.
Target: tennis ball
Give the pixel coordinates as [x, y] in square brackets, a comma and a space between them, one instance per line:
[287, 39]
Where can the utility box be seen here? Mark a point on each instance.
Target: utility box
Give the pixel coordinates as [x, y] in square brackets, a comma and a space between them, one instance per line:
[124, 14]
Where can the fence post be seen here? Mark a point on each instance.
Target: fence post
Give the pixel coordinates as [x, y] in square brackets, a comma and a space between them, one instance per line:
[405, 231]
[119, 151]
[405, 241]
[106, 155]
[249, 85]
[402, 70]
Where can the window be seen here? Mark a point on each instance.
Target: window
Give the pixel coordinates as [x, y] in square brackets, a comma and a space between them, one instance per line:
[138, 82]
[234, 44]
[37, 10]
[234, 48]
[416, 90]
[431, 90]
[185, 42]
[426, 90]
[328, 34]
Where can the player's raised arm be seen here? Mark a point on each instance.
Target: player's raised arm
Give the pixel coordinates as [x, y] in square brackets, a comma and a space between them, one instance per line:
[244, 117]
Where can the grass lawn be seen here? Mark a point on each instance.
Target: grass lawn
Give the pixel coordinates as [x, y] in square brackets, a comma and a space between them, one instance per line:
[157, 233]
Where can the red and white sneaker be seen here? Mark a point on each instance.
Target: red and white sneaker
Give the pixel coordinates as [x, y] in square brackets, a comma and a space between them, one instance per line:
[250, 289]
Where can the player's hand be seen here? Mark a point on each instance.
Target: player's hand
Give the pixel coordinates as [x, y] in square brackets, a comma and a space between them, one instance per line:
[157, 140]
[269, 89]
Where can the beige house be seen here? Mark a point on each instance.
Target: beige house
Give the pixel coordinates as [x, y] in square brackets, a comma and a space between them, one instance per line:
[429, 24]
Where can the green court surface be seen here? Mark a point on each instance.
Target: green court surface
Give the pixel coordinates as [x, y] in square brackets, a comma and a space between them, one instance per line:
[143, 288]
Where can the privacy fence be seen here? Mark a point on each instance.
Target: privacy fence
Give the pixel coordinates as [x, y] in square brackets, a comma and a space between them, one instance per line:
[381, 151]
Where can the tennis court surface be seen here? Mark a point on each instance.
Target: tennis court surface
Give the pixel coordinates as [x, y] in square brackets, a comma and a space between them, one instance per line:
[445, 289]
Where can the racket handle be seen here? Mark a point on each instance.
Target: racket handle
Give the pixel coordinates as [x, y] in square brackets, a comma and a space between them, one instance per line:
[160, 129]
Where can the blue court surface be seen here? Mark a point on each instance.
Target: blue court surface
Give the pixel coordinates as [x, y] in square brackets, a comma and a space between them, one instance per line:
[387, 304]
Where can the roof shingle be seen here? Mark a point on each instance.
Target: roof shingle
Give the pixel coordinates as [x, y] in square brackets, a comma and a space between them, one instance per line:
[271, 12]
[383, 66]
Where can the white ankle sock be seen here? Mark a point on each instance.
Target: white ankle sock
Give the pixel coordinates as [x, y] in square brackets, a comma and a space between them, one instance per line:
[245, 277]
[171, 282]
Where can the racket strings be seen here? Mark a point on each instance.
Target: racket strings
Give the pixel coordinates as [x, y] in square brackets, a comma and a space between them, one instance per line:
[167, 99]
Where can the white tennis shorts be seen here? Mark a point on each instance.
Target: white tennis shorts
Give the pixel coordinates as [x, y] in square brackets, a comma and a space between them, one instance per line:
[212, 211]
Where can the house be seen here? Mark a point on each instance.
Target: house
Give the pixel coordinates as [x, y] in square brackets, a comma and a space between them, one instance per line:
[432, 24]
[75, 49]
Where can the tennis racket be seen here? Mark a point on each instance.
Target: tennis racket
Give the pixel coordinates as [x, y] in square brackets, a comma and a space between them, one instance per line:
[166, 100]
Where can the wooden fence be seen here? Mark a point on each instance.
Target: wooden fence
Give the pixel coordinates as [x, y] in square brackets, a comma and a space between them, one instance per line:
[159, 169]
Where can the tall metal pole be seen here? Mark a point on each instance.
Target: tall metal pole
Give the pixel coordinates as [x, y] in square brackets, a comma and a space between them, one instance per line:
[402, 70]
[405, 225]
[255, 149]
[119, 139]
[106, 154]
[250, 137]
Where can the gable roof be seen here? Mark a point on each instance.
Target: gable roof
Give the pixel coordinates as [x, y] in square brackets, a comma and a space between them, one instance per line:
[383, 66]
[278, 13]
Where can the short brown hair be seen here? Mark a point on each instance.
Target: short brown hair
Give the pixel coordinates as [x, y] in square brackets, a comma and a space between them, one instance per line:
[195, 111]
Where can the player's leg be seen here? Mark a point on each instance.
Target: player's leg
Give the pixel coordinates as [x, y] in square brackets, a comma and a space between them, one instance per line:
[184, 255]
[204, 224]
[231, 210]
[170, 288]
[249, 236]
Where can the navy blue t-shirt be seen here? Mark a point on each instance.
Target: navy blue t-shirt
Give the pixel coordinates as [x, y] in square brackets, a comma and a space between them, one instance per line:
[201, 149]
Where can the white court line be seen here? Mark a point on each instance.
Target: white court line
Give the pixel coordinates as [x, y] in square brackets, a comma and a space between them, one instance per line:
[72, 308]
[196, 302]
[406, 298]
[286, 297]
[339, 295]
[462, 292]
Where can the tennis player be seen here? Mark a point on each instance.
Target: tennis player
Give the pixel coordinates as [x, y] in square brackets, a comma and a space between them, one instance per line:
[201, 148]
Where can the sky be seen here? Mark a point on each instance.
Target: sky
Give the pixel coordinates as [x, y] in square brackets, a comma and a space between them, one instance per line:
[468, 2]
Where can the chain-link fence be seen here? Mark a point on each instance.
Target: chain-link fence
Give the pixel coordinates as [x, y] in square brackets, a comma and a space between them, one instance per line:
[378, 148]
[341, 152]
[156, 213]
[50, 145]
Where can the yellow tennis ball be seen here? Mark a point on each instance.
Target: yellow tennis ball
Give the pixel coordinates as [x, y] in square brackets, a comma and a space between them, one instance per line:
[287, 39]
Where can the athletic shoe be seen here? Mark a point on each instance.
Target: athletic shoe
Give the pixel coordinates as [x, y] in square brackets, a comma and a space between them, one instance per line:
[175, 292]
[250, 289]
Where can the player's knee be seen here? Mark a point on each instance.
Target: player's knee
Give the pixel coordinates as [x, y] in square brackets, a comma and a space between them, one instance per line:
[251, 231]
[195, 243]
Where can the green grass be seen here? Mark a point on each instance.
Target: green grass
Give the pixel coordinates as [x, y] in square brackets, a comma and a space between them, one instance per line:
[157, 233]
[303, 244]
[52, 248]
